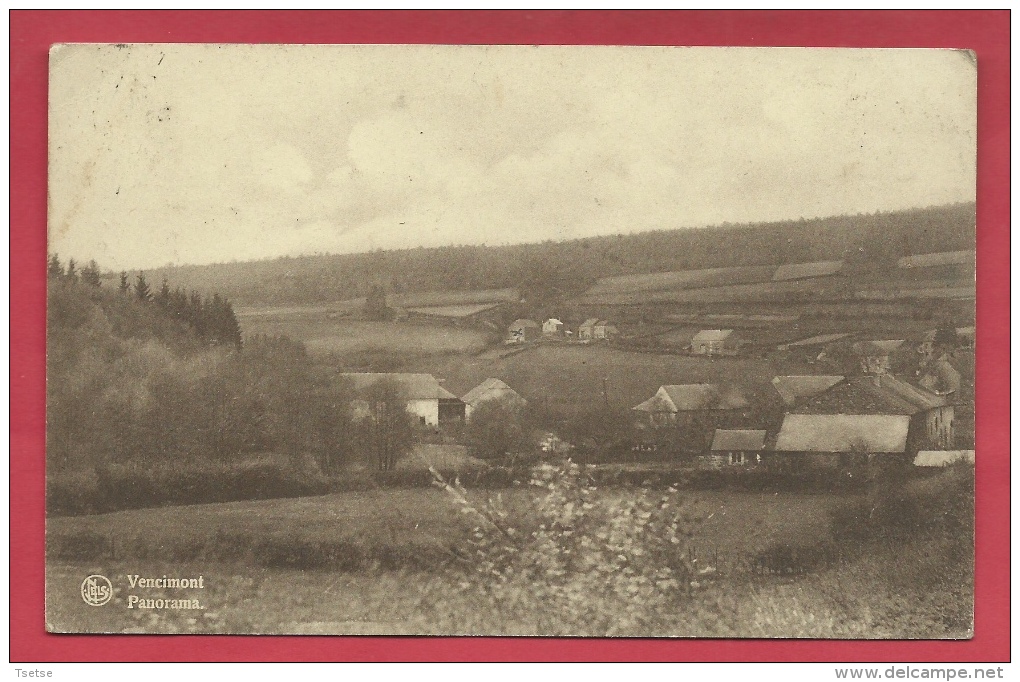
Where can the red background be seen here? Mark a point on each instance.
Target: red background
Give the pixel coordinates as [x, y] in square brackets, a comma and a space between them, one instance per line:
[32, 32]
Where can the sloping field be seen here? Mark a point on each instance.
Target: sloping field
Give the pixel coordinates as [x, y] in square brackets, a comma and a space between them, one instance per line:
[323, 336]
[685, 279]
[764, 292]
[453, 298]
[455, 311]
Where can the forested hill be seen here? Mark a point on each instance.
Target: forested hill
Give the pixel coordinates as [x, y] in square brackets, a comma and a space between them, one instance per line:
[571, 266]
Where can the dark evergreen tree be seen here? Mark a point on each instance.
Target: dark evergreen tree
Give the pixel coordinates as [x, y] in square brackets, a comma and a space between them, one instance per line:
[90, 274]
[163, 296]
[54, 267]
[124, 286]
[72, 273]
[142, 291]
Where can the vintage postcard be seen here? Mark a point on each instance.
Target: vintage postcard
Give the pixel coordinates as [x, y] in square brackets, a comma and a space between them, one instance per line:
[511, 340]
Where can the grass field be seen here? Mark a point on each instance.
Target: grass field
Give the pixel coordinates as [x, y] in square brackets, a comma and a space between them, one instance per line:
[685, 279]
[324, 336]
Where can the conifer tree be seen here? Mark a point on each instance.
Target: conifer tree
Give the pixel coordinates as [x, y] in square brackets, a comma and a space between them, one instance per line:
[142, 291]
[90, 274]
[54, 268]
[124, 286]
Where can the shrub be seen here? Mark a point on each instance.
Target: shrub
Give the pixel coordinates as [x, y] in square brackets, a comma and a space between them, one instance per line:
[584, 565]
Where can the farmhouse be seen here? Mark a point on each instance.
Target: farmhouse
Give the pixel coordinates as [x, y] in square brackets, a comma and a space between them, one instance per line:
[693, 411]
[794, 389]
[488, 390]
[552, 326]
[929, 416]
[586, 332]
[943, 458]
[714, 342]
[792, 271]
[604, 330]
[735, 447]
[522, 331]
[831, 440]
[874, 356]
[432, 404]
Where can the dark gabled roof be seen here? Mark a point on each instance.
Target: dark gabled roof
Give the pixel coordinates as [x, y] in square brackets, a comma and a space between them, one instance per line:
[795, 388]
[738, 439]
[928, 260]
[872, 395]
[412, 386]
[823, 268]
[843, 433]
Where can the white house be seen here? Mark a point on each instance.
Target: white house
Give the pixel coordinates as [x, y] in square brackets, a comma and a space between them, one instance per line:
[552, 326]
[432, 404]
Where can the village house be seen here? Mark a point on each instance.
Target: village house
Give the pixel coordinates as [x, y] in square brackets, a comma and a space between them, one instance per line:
[692, 411]
[604, 330]
[867, 415]
[490, 390]
[735, 447]
[586, 332]
[715, 342]
[424, 398]
[522, 331]
[807, 441]
[552, 327]
[795, 389]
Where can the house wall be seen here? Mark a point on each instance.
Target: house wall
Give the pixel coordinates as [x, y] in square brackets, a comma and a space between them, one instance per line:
[931, 430]
[425, 409]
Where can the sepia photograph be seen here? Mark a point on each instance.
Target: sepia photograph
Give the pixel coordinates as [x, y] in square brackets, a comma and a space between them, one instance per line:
[510, 340]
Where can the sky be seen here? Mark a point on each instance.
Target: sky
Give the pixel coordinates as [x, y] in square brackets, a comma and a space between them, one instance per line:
[191, 154]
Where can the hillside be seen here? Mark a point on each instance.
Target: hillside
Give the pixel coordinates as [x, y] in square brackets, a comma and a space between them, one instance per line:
[552, 269]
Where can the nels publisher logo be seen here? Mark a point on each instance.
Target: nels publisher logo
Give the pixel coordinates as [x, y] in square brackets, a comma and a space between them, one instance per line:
[96, 590]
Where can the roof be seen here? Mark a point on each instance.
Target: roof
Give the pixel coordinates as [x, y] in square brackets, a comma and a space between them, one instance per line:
[553, 320]
[869, 347]
[738, 439]
[590, 322]
[521, 324]
[794, 388]
[843, 433]
[818, 340]
[928, 260]
[693, 397]
[413, 386]
[490, 389]
[822, 268]
[941, 458]
[706, 335]
[876, 395]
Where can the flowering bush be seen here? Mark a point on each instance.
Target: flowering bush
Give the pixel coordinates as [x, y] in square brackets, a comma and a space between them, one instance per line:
[586, 563]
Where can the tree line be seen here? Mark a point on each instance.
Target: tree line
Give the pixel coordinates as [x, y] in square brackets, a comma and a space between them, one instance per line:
[551, 269]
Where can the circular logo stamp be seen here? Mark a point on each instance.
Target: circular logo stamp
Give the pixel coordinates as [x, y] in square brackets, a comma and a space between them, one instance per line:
[96, 590]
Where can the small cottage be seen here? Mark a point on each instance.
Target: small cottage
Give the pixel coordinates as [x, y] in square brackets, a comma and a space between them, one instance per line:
[735, 447]
[490, 390]
[552, 326]
[715, 342]
[586, 332]
[604, 330]
[523, 331]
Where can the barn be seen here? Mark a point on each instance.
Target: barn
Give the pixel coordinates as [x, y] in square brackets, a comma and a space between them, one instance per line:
[692, 411]
[793, 389]
[715, 342]
[432, 404]
[735, 447]
[807, 441]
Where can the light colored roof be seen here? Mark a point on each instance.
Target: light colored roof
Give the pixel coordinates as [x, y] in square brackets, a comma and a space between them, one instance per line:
[843, 433]
[412, 386]
[818, 340]
[941, 458]
[711, 335]
[692, 397]
[521, 324]
[738, 439]
[553, 320]
[928, 260]
[590, 322]
[805, 270]
[794, 388]
[490, 389]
